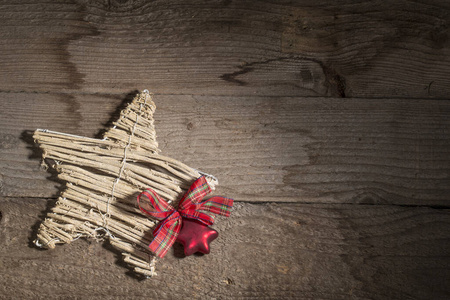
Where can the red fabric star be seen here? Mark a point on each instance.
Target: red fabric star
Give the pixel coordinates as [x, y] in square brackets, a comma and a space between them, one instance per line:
[196, 237]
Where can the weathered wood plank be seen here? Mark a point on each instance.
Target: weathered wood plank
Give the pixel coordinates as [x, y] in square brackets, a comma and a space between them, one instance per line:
[261, 148]
[286, 251]
[308, 48]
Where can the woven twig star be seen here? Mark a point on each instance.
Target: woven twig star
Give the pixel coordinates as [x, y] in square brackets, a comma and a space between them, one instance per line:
[103, 178]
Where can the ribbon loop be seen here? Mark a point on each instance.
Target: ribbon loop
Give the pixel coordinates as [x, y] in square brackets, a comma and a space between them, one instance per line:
[191, 206]
[154, 205]
[217, 205]
[196, 192]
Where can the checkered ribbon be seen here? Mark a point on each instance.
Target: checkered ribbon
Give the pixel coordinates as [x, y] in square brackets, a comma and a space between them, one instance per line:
[191, 206]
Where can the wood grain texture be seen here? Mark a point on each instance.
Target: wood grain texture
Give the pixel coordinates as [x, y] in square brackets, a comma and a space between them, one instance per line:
[306, 48]
[251, 91]
[261, 148]
[286, 251]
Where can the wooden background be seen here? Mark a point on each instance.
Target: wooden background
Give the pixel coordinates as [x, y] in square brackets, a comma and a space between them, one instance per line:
[327, 121]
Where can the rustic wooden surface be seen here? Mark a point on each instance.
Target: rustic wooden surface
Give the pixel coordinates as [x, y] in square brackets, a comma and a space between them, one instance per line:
[327, 121]
[289, 251]
[315, 48]
[326, 150]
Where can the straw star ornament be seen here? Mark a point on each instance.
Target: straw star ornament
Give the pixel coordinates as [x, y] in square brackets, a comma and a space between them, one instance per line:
[103, 178]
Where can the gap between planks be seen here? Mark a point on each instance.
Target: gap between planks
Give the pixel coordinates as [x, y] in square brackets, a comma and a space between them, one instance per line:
[241, 95]
[280, 203]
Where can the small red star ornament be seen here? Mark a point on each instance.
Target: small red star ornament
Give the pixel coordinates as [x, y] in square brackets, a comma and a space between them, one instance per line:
[196, 237]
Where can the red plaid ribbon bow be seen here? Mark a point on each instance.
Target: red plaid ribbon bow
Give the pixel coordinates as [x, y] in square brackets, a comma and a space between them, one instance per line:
[190, 207]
